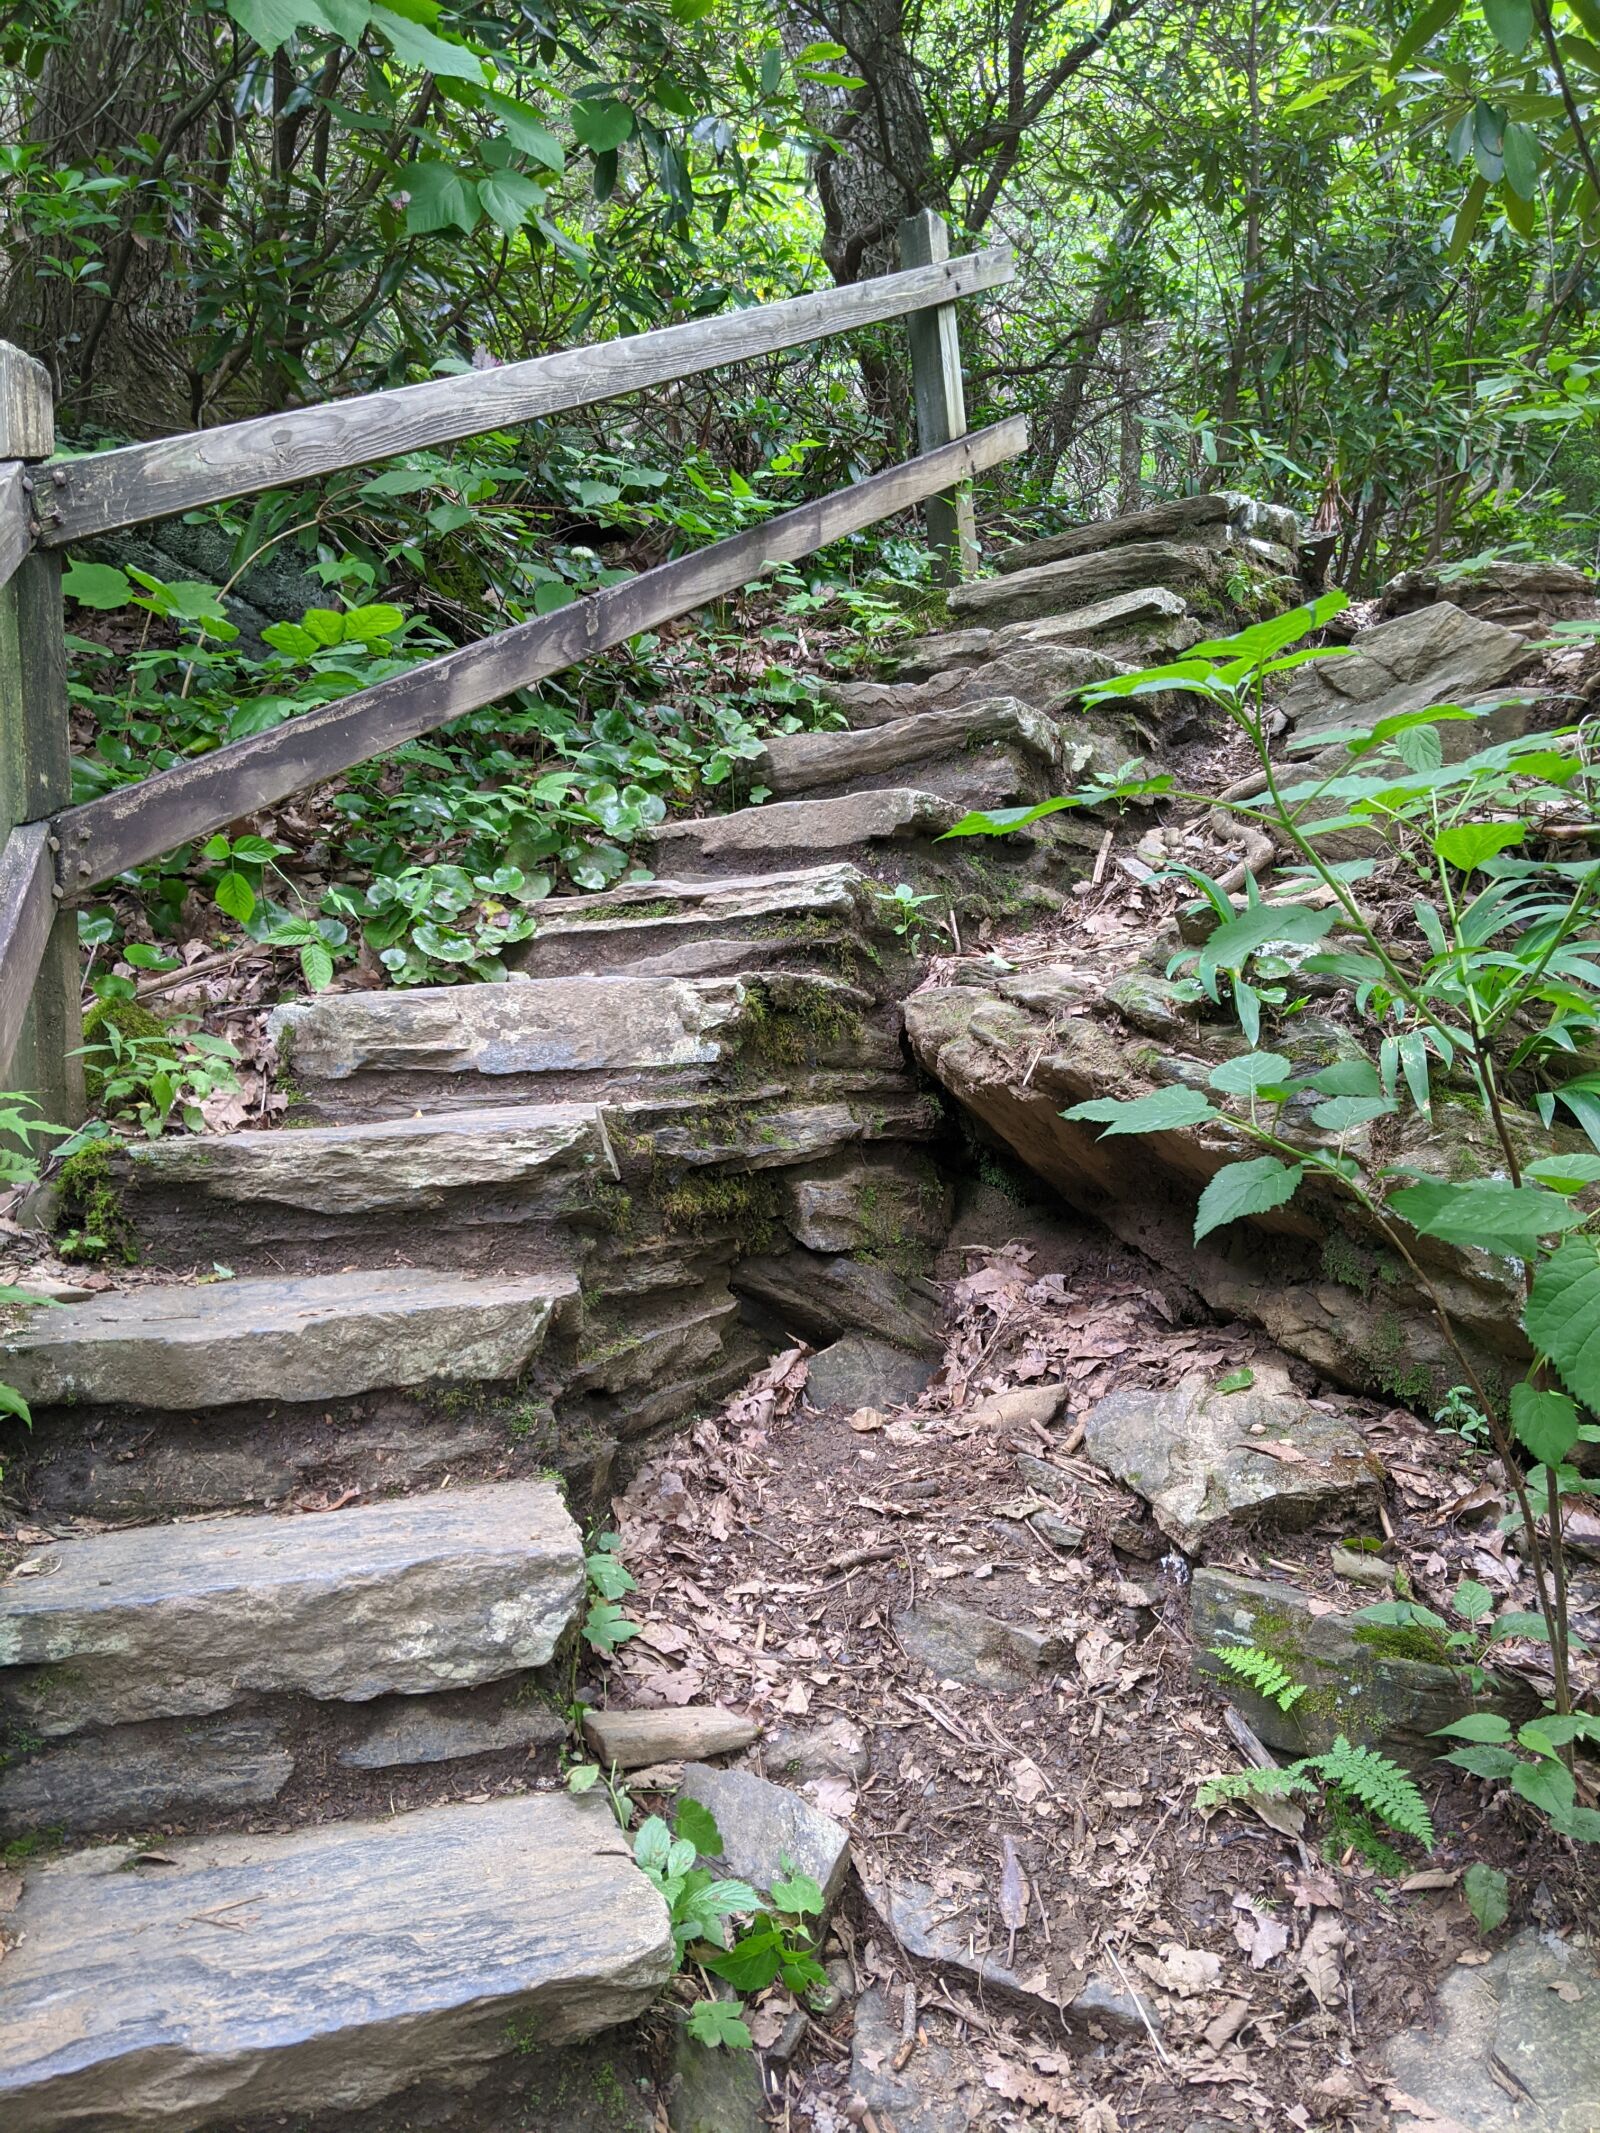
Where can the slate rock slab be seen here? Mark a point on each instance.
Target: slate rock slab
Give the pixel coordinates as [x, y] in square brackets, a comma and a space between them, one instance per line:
[419, 1593]
[824, 1296]
[964, 1644]
[1376, 1688]
[316, 1337]
[861, 1372]
[405, 1730]
[370, 1955]
[1186, 518]
[715, 2090]
[1534, 2007]
[765, 1825]
[1207, 1460]
[933, 2094]
[887, 816]
[1057, 588]
[1436, 655]
[131, 1776]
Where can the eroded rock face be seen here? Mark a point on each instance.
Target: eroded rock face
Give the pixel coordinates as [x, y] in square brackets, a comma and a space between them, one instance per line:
[379, 1953]
[1513, 593]
[1019, 1051]
[131, 1776]
[1209, 1461]
[1437, 655]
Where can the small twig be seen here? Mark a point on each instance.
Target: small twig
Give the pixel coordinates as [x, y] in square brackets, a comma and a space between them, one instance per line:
[908, 2028]
[1139, 2003]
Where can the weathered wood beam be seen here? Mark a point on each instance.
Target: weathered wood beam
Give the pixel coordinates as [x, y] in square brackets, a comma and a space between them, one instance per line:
[27, 912]
[15, 535]
[105, 490]
[137, 822]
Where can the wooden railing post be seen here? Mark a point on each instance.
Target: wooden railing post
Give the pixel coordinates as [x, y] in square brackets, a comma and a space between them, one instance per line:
[940, 401]
[35, 764]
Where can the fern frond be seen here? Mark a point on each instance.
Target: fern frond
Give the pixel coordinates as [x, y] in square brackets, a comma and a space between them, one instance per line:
[1258, 1670]
[1379, 1785]
[1270, 1784]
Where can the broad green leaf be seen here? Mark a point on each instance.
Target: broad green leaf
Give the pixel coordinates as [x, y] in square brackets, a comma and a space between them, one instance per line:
[1546, 1784]
[12, 1403]
[438, 198]
[1477, 1725]
[1162, 1111]
[1485, 1761]
[699, 1825]
[1340, 1113]
[602, 126]
[1520, 1622]
[1491, 1214]
[1232, 945]
[1472, 1600]
[509, 198]
[1239, 1380]
[1545, 1422]
[1511, 21]
[797, 1894]
[525, 131]
[1249, 1072]
[274, 22]
[316, 962]
[366, 625]
[1484, 1887]
[1250, 1188]
[718, 2022]
[97, 585]
[235, 896]
[652, 1841]
[448, 58]
[1471, 843]
[1523, 160]
[1423, 27]
[1565, 1173]
[1348, 1077]
[1563, 1316]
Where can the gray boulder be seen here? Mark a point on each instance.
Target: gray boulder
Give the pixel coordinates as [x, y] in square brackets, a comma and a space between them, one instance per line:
[768, 1831]
[1437, 655]
[861, 1372]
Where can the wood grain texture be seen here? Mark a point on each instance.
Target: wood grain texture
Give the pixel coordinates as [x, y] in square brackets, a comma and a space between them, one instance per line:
[939, 397]
[27, 406]
[15, 534]
[151, 481]
[27, 911]
[117, 831]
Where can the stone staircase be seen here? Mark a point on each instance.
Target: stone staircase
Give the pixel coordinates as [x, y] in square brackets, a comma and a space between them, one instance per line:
[288, 1618]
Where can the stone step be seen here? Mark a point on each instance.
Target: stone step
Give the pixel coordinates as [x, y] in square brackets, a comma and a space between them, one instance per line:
[894, 815]
[1039, 681]
[1054, 588]
[1199, 519]
[316, 1337]
[328, 1969]
[453, 1046]
[690, 929]
[973, 754]
[415, 1594]
[1133, 627]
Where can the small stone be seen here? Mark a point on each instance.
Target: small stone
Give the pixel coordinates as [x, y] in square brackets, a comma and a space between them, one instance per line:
[1189, 1451]
[631, 1740]
[964, 1644]
[797, 1756]
[860, 1372]
[1359, 1568]
[1039, 1474]
[714, 2089]
[1058, 1531]
[1028, 1406]
[768, 1831]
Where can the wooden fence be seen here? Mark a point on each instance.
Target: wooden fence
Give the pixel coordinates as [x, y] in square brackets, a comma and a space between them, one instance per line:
[55, 853]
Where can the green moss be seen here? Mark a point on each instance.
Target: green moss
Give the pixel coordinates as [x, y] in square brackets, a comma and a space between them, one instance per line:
[92, 1223]
[1341, 1262]
[128, 1019]
[791, 1030]
[695, 1204]
[1409, 1640]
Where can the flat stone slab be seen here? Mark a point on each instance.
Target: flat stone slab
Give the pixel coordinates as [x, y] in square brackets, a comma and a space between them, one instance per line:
[861, 1372]
[1056, 588]
[795, 762]
[888, 1201]
[964, 1644]
[1375, 1686]
[1534, 2008]
[1020, 694]
[533, 1026]
[1205, 1460]
[363, 1956]
[889, 816]
[406, 1730]
[1184, 519]
[768, 1831]
[131, 1776]
[317, 1337]
[632, 1740]
[1435, 655]
[368, 1167]
[416, 1594]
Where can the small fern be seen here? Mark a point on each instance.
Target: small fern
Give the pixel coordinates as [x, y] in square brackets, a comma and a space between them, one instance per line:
[1360, 1780]
[1258, 1670]
[1386, 1791]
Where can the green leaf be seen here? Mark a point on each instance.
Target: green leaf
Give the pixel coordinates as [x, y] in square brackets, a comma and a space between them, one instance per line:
[1523, 159]
[1423, 27]
[1484, 1888]
[652, 1842]
[1547, 1784]
[369, 625]
[448, 58]
[605, 1626]
[316, 963]
[1563, 1316]
[1340, 1113]
[1472, 1600]
[1471, 843]
[438, 198]
[526, 131]
[1250, 1188]
[1239, 1380]
[1492, 1214]
[12, 1403]
[718, 2022]
[234, 895]
[1511, 21]
[273, 22]
[1162, 1111]
[1485, 1761]
[1249, 1072]
[1545, 1422]
[699, 1825]
[1520, 1622]
[1565, 1173]
[1478, 1725]
[602, 127]
[509, 198]
[97, 585]
[1232, 945]
[799, 1895]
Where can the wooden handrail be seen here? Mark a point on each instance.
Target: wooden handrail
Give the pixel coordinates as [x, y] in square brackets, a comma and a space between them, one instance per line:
[105, 836]
[77, 498]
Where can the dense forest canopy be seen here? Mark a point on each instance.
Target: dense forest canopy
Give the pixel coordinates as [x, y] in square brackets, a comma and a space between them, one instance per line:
[1342, 260]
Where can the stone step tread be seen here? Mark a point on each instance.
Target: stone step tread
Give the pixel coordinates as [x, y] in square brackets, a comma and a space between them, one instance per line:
[304, 1337]
[410, 1595]
[366, 1956]
[796, 761]
[836, 886]
[889, 815]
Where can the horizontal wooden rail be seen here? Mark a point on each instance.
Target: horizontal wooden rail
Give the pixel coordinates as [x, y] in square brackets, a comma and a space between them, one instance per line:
[119, 830]
[27, 911]
[104, 490]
